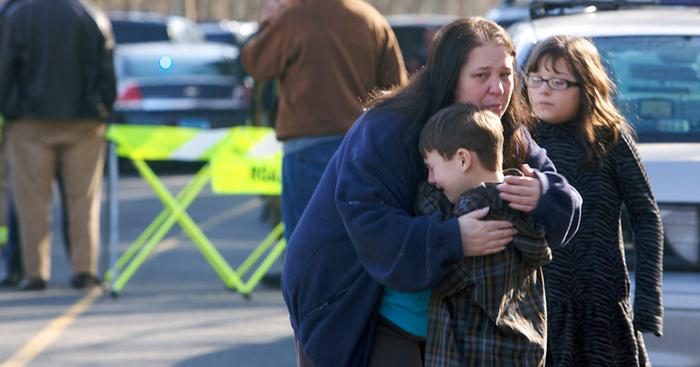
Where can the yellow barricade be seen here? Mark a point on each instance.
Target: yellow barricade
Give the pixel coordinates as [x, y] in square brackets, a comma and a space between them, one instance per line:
[240, 160]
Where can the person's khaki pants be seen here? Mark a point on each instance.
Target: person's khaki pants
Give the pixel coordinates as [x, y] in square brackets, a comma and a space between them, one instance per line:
[35, 148]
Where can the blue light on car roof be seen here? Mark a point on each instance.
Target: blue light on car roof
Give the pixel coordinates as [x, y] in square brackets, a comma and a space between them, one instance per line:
[165, 62]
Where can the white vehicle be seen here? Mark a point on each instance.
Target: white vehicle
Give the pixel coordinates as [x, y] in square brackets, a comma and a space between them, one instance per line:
[652, 52]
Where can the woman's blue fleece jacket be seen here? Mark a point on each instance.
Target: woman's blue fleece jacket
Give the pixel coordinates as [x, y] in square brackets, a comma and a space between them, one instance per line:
[359, 234]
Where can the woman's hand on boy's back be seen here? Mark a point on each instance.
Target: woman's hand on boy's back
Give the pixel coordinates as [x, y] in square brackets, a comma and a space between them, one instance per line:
[484, 237]
[522, 192]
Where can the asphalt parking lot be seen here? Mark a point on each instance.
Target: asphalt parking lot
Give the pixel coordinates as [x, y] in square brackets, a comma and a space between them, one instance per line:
[175, 311]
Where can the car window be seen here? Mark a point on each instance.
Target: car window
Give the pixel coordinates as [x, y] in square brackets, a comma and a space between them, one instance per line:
[509, 12]
[223, 37]
[658, 81]
[415, 42]
[133, 32]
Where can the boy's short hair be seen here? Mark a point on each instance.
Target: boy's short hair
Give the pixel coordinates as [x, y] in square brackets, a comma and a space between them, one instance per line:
[464, 126]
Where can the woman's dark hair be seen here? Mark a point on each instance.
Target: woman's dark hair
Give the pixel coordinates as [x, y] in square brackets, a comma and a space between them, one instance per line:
[599, 123]
[433, 88]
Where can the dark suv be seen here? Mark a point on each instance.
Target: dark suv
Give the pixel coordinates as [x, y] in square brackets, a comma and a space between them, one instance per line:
[230, 32]
[415, 33]
[137, 27]
[652, 53]
[509, 12]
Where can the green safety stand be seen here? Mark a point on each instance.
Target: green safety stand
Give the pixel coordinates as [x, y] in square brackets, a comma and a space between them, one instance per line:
[3, 236]
[140, 142]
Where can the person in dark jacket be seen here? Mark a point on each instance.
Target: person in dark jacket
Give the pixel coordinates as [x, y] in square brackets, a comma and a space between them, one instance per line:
[360, 232]
[10, 247]
[57, 89]
[8, 216]
[591, 320]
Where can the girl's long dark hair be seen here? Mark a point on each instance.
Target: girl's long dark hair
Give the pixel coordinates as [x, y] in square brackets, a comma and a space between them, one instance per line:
[433, 88]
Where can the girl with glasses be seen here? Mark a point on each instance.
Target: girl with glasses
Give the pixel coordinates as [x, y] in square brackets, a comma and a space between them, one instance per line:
[591, 321]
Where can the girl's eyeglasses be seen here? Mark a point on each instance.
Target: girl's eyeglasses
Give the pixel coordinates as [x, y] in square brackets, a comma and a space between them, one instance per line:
[554, 83]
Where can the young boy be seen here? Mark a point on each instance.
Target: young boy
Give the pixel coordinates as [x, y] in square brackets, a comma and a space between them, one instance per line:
[489, 310]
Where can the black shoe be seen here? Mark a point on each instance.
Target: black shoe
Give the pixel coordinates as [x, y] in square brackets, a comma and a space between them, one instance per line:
[33, 284]
[272, 280]
[11, 280]
[84, 280]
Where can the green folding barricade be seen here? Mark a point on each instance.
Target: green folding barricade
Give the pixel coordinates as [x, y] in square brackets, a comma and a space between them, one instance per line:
[3, 229]
[3, 235]
[240, 160]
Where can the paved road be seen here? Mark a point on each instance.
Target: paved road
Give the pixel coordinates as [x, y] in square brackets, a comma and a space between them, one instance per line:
[174, 312]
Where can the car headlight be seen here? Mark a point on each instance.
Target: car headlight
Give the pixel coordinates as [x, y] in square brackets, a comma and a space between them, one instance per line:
[681, 229]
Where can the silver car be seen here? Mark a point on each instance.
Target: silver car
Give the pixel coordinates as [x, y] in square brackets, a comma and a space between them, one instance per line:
[181, 84]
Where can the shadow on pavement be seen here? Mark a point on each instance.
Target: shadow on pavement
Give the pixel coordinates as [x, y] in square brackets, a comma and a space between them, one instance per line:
[279, 353]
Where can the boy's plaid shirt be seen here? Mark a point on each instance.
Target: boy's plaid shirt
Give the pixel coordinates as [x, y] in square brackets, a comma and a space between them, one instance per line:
[489, 310]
